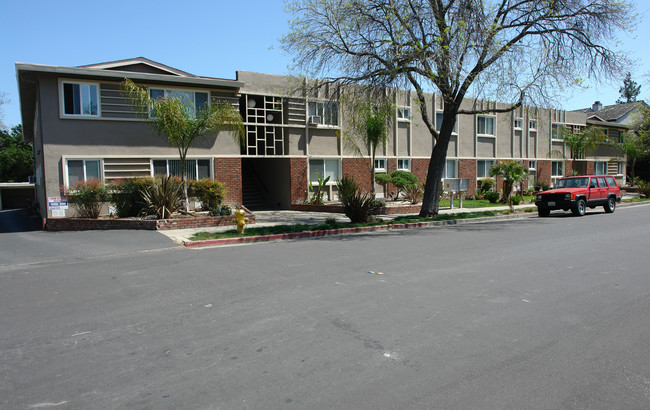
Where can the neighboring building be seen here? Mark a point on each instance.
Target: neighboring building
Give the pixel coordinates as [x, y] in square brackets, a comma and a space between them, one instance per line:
[82, 127]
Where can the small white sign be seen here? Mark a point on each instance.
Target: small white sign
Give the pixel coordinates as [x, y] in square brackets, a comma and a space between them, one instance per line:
[57, 203]
[58, 213]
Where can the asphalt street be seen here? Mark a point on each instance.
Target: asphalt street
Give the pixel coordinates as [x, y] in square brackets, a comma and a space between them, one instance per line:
[534, 313]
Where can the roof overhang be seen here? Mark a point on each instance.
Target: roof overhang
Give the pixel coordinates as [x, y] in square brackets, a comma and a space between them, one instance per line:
[607, 124]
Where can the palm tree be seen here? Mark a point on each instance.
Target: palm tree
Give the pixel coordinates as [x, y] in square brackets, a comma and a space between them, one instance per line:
[582, 142]
[511, 172]
[180, 123]
[370, 124]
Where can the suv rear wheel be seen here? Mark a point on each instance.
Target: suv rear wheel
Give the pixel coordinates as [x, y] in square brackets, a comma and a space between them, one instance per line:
[610, 205]
[579, 208]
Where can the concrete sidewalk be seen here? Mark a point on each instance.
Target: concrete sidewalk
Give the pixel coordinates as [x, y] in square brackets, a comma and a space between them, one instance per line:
[285, 217]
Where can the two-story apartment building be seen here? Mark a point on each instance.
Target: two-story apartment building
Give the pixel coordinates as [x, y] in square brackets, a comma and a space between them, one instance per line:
[82, 127]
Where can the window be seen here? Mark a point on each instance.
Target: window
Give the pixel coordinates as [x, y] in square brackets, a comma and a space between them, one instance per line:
[532, 125]
[327, 111]
[556, 131]
[439, 123]
[485, 125]
[404, 164]
[80, 170]
[380, 164]
[620, 169]
[403, 113]
[194, 100]
[194, 168]
[532, 164]
[80, 99]
[600, 167]
[557, 168]
[449, 171]
[483, 167]
[611, 181]
[325, 168]
[519, 123]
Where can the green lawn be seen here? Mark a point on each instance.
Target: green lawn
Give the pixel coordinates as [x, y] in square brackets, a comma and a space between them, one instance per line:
[480, 203]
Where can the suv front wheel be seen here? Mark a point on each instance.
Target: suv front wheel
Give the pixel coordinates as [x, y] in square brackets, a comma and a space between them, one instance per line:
[579, 208]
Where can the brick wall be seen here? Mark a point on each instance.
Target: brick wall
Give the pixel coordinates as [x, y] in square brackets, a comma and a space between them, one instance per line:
[419, 168]
[359, 169]
[299, 180]
[467, 169]
[84, 224]
[544, 171]
[590, 167]
[228, 171]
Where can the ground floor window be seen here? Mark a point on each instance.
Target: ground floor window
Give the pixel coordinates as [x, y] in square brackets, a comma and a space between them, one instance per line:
[600, 167]
[194, 168]
[450, 169]
[557, 168]
[380, 164]
[325, 168]
[532, 165]
[82, 170]
[483, 168]
[404, 164]
[620, 169]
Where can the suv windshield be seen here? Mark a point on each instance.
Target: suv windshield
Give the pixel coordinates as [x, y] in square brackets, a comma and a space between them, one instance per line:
[572, 183]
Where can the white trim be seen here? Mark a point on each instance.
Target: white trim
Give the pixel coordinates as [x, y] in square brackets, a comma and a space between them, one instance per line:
[62, 113]
[494, 126]
[381, 168]
[196, 165]
[64, 163]
[323, 101]
[404, 169]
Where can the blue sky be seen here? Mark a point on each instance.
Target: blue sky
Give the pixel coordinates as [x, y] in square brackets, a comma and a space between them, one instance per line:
[208, 38]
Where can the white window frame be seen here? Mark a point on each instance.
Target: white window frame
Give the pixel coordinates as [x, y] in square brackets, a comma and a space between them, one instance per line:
[196, 166]
[532, 164]
[554, 166]
[85, 178]
[338, 171]
[319, 111]
[402, 168]
[486, 169]
[380, 164]
[494, 125]
[556, 126]
[62, 112]
[620, 168]
[603, 165]
[169, 90]
[439, 123]
[445, 169]
[532, 125]
[404, 113]
[521, 123]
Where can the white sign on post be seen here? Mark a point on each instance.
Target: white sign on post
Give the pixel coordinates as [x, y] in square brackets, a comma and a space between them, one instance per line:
[57, 205]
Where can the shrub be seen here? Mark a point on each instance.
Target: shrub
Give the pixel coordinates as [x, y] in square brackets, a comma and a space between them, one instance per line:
[383, 180]
[541, 186]
[347, 186]
[402, 180]
[221, 210]
[357, 206]
[317, 197]
[644, 187]
[330, 221]
[126, 195]
[516, 199]
[484, 186]
[414, 193]
[163, 198]
[208, 191]
[492, 196]
[87, 197]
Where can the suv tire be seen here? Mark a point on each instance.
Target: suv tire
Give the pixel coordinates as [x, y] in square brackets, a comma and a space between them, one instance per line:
[579, 208]
[610, 205]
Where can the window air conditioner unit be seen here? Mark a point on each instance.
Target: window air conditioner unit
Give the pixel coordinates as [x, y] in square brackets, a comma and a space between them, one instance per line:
[315, 119]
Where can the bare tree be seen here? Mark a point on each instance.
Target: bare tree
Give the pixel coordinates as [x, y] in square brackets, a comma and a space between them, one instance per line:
[3, 100]
[517, 50]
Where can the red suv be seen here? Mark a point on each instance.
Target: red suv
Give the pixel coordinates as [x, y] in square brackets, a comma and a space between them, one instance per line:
[578, 193]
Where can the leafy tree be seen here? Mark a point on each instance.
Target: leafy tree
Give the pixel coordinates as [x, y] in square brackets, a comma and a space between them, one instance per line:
[511, 172]
[370, 125]
[511, 49]
[583, 142]
[629, 91]
[3, 100]
[16, 159]
[636, 142]
[181, 124]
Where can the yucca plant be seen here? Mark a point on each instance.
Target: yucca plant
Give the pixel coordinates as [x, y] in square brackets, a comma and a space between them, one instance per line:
[357, 206]
[164, 198]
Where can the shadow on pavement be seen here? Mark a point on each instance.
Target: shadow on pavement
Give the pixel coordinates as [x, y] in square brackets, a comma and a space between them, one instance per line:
[18, 220]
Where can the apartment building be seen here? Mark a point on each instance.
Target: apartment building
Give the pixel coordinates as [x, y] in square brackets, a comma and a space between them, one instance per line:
[82, 127]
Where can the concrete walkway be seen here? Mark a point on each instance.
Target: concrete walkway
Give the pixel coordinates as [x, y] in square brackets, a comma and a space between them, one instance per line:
[284, 217]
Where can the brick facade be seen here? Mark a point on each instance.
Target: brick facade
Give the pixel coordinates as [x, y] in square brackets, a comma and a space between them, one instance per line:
[228, 171]
[359, 169]
[299, 180]
[544, 171]
[467, 170]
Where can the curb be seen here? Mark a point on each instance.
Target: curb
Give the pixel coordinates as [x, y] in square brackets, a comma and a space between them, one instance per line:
[341, 231]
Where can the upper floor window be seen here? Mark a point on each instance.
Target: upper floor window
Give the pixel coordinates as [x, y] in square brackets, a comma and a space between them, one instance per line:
[519, 123]
[194, 100]
[80, 99]
[557, 168]
[483, 167]
[532, 125]
[556, 131]
[326, 113]
[485, 125]
[403, 113]
[439, 123]
[80, 170]
[194, 168]
[380, 164]
[404, 164]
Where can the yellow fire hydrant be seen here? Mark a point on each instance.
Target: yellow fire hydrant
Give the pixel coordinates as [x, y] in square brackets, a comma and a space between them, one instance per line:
[241, 219]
